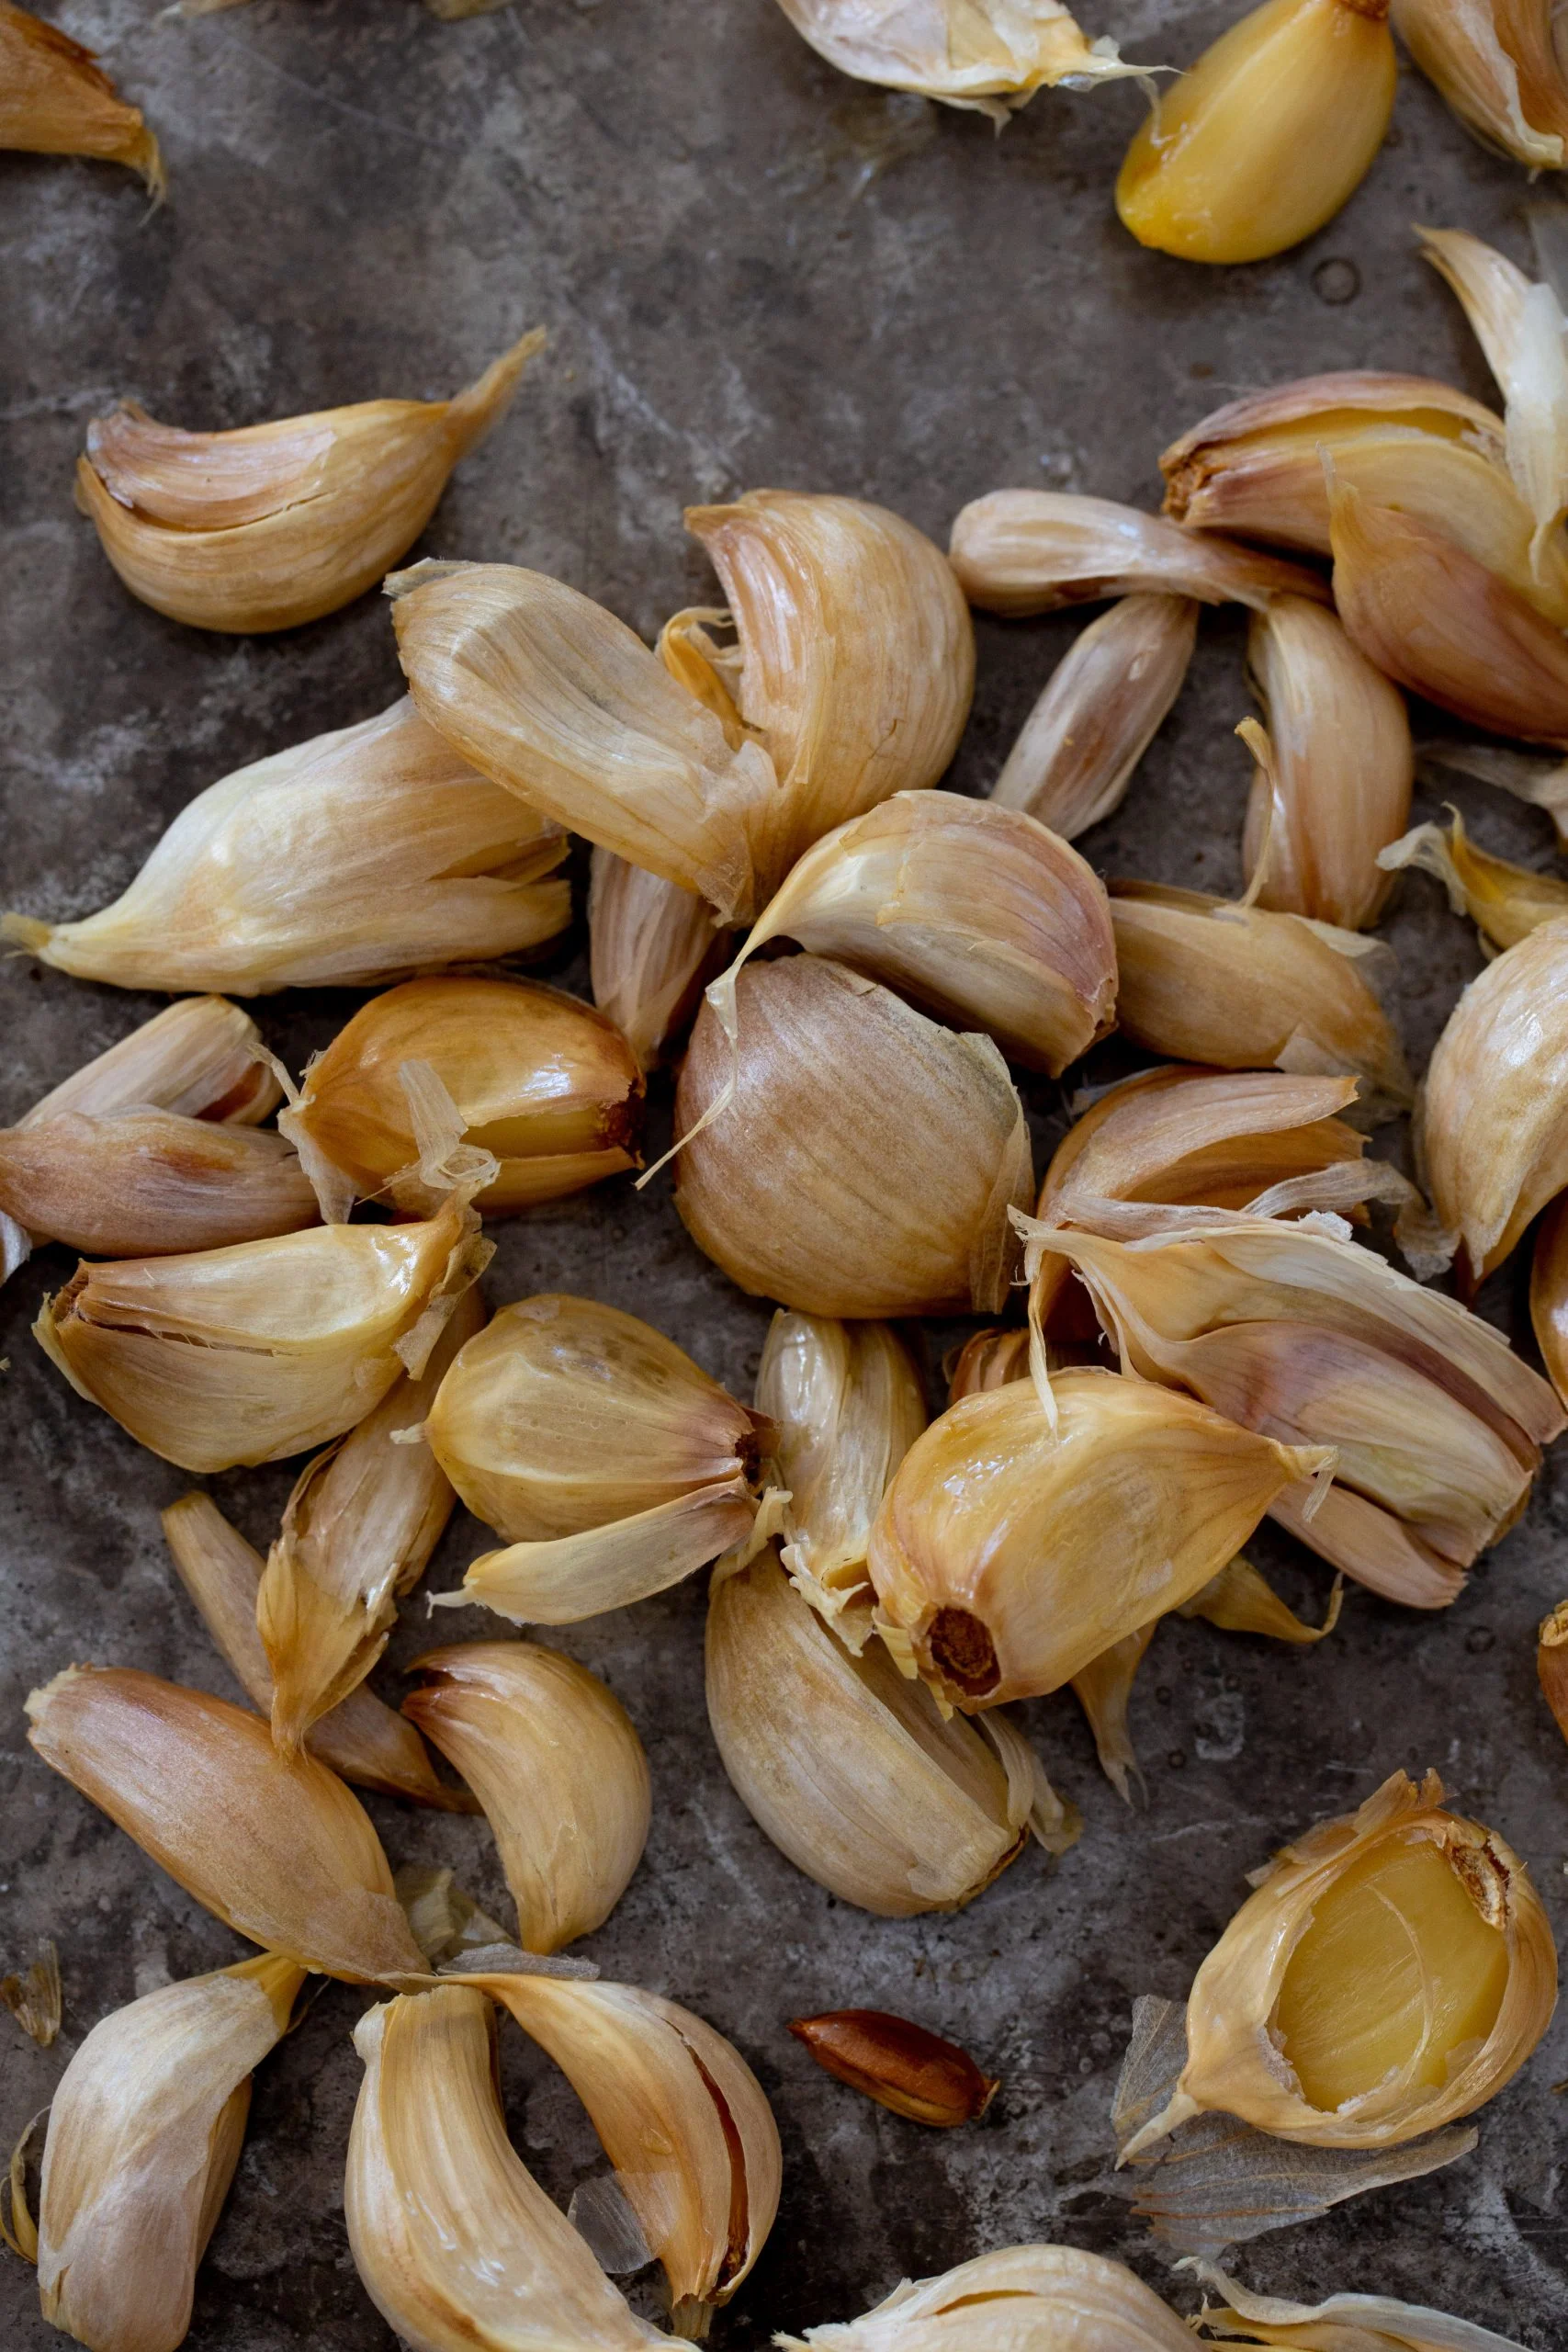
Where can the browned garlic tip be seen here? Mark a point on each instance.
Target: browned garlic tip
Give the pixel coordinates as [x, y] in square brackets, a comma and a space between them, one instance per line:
[1505, 902]
[1019, 2298]
[1495, 63]
[55, 100]
[899, 2065]
[985, 56]
[652, 948]
[1020, 551]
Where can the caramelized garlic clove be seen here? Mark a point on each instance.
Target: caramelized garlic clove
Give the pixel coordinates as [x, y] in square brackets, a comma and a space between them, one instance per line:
[1021, 551]
[901, 2065]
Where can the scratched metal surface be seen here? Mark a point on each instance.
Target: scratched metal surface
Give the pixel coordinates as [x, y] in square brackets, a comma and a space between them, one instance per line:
[754, 273]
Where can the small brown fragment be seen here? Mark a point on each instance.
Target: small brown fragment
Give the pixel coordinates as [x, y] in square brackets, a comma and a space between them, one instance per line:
[1551, 1663]
[899, 2065]
[34, 1998]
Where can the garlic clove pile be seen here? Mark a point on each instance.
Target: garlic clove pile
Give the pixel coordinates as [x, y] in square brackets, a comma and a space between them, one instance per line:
[652, 947]
[1021, 551]
[1494, 62]
[56, 100]
[1018, 2299]
[1504, 902]
[985, 56]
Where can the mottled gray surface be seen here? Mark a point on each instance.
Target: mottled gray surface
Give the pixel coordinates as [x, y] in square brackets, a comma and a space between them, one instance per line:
[754, 273]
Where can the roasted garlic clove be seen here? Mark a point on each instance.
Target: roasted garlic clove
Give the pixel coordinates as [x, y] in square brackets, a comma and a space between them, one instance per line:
[348, 860]
[144, 2133]
[1495, 63]
[848, 1767]
[1019, 551]
[1019, 2299]
[553, 1757]
[1346, 2322]
[1105, 701]
[652, 948]
[899, 2065]
[1504, 902]
[1260, 142]
[151, 1183]
[987, 57]
[1392, 1972]
[277, 524]
[990, 1360]
[55, 100]
[281, 1852]
[792, 1188]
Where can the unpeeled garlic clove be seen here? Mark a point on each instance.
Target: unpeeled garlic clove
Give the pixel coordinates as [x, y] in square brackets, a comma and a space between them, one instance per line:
[201, 1058]
[152, 1184]
[1019, 2299]
[1494, 62]
[144, 2133]
[989, 58]
[1020, 551]
[554, 1759]
[1346, 2322]
[281, 1852]
[899, 2065]
[792, 1189]
[275, 525]
[55, 100]
[652, 948]
[1105, 701]
[351, 859]
[1549, 1294]
[1504, 902]
[1103, 1689]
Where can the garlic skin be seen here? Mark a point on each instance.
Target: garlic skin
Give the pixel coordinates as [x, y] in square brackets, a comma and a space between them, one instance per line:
[791, 1188]
[1552, 1664]
[1504, 902]
[1019, 2298]
[1539, 783]
[1250, 2020]
[1103, 705]
[144, 2134]
[1548, 1295]
[1022, 551]
[977, 1552]
[280, 1852]
[1346, 2322]
[652, 948]
[346, 861]
[1494, 65]
[849, 1767]
[990, 1360]
[901, 2065]
[275, 525]
[553, 1757]
[55, 100]
[989, 57]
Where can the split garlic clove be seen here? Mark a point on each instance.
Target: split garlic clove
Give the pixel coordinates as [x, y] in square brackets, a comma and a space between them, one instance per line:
[554, 1759]
[56, 100]
[275, 525]
[201, 1058]
[144, 2134]
[266, 1349]
[281, 1852]
[1105, 703]
[1338, 790]
[1261, 141]
[151, 1183]
[1019, 2299]
[1346, 2322]
[1392, 1972]
[988, 58]
[792, 1189]
[848, 1765]
[901, 2065]
[652, 948]
[349, 860]
[1495, 65]
[456, 2244]
[990, 1360]
[1021, 551]
[1504, 902]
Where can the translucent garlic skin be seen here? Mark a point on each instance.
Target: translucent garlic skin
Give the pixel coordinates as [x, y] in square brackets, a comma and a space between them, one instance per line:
[1494, 63]
[54, 100]
[1023, 551]
[991, 56]
[1505, 902]
[652, 947]
[1345, 2323]
[1019, 2298]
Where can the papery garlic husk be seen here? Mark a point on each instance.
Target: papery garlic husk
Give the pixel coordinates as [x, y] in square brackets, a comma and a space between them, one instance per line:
[652, 948]
[358, 1533]
[610, 1464]
[250, 1353]
[201, 1059]
[55, 100]
[1541, 783]
[978, 1553]
[361, 1739]
[1346, 2322]
[846, 1404]
[456, 2244]
[35, 1997]
[148, 1183]
[351, 859]
[1392, 1972]
[1260, 142]
[1105, 701]
[849, 1768]
[281, 1852]
[1203, 979]
[1495, 63]
[987, 57]
[1020, 551]
[540, 1081]
[553, 1757]
[1342, 772]
[1019, 2299]
[144, 2134]
[1504, 902]
[793, 1188]
[277, 524]
[683, 2119]
[990, 1360]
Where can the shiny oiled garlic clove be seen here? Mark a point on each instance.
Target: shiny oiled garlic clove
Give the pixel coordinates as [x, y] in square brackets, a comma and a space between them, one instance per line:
[651, 949]
[277, 524]
[792, 1188]
[281, 1852]
[1346, 2322]
[1392, 1972]
[1504, 902]
[1019, 2299]
[1495, 63]
[1020, 551]
[144, 2133]
[351, 859]
[848, 1767]
[553, 1757]
[250, 1353]
[899, 2065]
[989, 57]
[1106, 699]
[148, 1183]
[201, 1058]
[55, 100]
[1260, 142]
[610, 1464]
[990, 1360]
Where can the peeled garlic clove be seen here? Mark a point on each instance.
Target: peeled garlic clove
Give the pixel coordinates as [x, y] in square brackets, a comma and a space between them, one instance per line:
[1106, 699]
[792, 1189]
[1392, 1972]
[144, 2134]
[1104, 1689]
[348, 860]
[1344, 2324]
[899, 2065]
[987, 57]
[1019, 2299]
[990, 1360]
[1494, 63]
[281, 1852]
[1504, 902]
[201, 1058]
[1019, 551]
[651, 949]
[54, 100]
[553, 1757]
[277, 524]
[250, 1353]
[456, 2244]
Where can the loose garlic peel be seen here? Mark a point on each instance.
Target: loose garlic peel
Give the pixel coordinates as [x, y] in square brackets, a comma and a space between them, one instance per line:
[1494, 62]
[1346, 2322]
[1022, 551]
[1392, 1972]
[983, 55]
[144, 2134]
[1504, 902]
[651, 947]
[1539, 783]
[55, 100]
[1019, 2298]
[275, 525]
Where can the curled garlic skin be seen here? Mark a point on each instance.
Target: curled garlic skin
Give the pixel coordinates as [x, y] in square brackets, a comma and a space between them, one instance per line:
[55, 100]
[1022, 551]
[1495, 65]
[1505, 902]
[1019, 2298]
[1103, 705]
[1345, 2323]
[990, 57]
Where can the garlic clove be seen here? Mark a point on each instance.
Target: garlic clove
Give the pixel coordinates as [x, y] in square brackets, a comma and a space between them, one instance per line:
[985, 57]
[201, 1058]
[990, 1360]
[1364, 1541]
[1504, 902]
[1496, 65]
[651, 948]
[1346, 2322]
[1549, 1294]
[1021, 551]
[1100, 710]
[345, 861]
[1019, 2298]
[561, 1580]
[1552, 1664]
[899, 2065]
[275, 525]
[151, 1183]
[56, 100]
[1262, 140]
